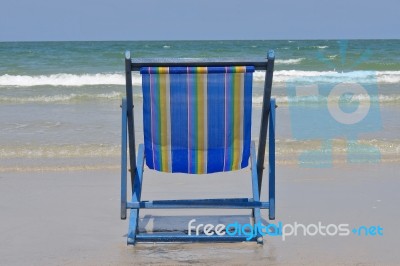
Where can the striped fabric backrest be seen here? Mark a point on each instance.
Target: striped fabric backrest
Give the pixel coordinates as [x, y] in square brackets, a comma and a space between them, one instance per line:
[197, 120]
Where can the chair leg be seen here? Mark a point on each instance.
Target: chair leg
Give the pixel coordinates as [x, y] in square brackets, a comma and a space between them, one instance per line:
[257, 222]
[136, 195]
[256, 196]
[134, 213]
[272, 161]
[133, 226]
[124, 165]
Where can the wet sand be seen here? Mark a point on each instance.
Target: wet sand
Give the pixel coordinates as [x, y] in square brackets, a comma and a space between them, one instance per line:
[72, 217]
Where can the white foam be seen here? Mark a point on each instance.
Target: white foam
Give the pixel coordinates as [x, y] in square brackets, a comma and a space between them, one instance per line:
[85, 151]
[60, 151]
[289, 61]
[319, 99]
[66, 98]
[63, 79]
[61, 98]
[331, 76]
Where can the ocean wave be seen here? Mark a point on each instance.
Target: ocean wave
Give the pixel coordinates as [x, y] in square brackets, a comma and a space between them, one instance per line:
[300, 76]
[59, 168]
[59, 151]
[63, 79]
[257, 100]
[320, 46]
[62, 98]
[284, 147]
[319, 99]
[289, 61]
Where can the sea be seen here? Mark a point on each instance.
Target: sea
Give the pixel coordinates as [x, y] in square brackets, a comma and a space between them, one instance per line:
[338, 100]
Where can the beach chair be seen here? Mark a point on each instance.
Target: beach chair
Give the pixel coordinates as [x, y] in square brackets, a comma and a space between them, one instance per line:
[197, 120]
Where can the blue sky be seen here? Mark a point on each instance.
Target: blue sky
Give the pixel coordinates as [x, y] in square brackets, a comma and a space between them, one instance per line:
[53, 20]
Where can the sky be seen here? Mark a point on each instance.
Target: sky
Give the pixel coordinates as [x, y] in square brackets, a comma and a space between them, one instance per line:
[84, 20]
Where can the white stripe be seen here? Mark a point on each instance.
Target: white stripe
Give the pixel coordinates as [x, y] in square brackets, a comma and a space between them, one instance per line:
[188, 118]
[151, 119]
[225, 133]
[205, 148]
[168, 106]
[241, 120]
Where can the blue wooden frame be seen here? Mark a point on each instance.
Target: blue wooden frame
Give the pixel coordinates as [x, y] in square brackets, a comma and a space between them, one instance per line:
[137, 163]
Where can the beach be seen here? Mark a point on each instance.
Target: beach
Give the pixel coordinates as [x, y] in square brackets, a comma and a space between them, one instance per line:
[72, 218]
[60, 127]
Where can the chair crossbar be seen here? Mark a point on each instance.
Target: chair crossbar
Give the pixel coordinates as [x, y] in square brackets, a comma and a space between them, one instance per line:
[137, 63]
[199, 204]
[145, 237]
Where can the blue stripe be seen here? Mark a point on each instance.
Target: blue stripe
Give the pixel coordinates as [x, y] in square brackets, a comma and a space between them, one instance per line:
[229, 124]
[250, 69]
[156, 118]
[192, 123]
[216, 125]
[179, 125]
[248, 79]
[147, 120]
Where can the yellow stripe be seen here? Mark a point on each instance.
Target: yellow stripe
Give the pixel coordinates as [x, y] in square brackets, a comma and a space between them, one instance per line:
[200, 120]
[163, 122]
[237, 101]
[240, 69]
[163, 70]
[201, 70]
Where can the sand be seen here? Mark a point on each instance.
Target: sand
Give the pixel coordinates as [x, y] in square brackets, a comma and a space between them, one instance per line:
[72, 218]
